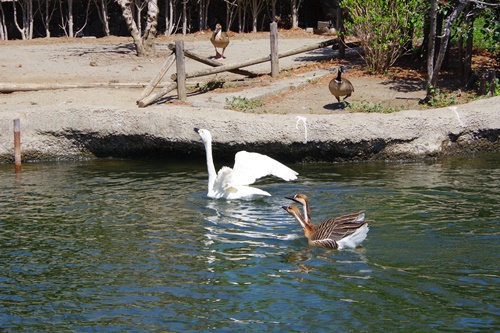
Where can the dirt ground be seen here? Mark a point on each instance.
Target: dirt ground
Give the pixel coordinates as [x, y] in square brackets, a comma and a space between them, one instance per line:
[112, 60]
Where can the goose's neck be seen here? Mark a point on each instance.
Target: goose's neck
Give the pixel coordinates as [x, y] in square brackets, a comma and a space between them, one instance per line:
[210, 166]
[307, 213]
[306, 224]
[339, 78]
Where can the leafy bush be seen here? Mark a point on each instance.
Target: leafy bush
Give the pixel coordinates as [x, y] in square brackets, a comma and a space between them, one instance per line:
[487, 34]
[383, 27]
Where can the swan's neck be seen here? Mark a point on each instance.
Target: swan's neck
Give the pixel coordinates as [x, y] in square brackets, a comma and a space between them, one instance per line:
[210, 166]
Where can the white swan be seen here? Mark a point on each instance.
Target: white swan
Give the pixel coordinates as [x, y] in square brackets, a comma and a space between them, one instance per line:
[248, 167]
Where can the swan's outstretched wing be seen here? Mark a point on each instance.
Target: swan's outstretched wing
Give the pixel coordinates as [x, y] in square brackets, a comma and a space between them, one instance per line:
[248, 167]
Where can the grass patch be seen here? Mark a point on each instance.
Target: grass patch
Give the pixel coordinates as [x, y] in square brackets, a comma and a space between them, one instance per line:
[243, 104]
[210, 85]
[368, 107]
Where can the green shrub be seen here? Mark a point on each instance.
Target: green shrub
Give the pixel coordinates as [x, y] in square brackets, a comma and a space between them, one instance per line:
[384, 28]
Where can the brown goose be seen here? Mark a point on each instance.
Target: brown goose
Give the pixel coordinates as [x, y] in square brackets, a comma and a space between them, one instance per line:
[220, 40]
[340, 87]
[347, 231]
[342, 232]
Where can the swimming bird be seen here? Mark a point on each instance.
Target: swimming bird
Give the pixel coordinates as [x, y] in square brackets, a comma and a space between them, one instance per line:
[248, 167]
[347, 231]
[219, 39]
[340, 87]
[304, 201]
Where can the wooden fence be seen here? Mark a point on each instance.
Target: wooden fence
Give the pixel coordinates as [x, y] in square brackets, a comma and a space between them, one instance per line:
[179, 78]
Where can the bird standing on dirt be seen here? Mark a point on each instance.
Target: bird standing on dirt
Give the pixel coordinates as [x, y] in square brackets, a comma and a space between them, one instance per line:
[340, 87]
[220, 40]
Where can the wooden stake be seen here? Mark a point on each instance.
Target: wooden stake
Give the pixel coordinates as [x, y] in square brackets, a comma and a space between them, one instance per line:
[17, 144]
[275, 64]
[156, 95]
[166, 66]
[181, 70]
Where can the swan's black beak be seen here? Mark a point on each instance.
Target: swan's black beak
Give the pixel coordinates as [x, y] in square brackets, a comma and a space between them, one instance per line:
[196, 129]
[285, 207]
[291, 198]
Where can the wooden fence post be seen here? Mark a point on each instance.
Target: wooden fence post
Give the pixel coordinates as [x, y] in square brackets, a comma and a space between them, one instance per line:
[17, 144]
[275, 64]
[181, 70]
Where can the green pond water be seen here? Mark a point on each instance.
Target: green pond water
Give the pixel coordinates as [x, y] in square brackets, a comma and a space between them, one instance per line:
[136, 246]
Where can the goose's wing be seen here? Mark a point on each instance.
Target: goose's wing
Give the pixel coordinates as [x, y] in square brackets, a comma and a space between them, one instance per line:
[339, 227]
[248, 167]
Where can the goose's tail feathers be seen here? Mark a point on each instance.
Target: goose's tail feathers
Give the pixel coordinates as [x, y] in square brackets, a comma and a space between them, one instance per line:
[353, 240]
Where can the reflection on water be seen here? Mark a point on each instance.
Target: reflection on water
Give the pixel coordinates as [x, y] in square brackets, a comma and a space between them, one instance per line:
[114, 245]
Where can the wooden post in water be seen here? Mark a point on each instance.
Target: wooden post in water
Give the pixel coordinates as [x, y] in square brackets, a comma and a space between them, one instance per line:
[275, 64]
[17, 144]
[181, 70]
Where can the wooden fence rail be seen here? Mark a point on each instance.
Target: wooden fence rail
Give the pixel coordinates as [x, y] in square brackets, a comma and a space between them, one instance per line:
[179, 78]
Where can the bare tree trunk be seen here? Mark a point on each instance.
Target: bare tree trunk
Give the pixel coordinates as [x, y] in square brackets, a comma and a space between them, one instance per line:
[434, 68]
[295, 5]
[139, 6]
[231, 8]
[45, 10]
[150, 32]
[200, 14]
[169, 17]
[273, 10]
[86, 19]
[126, 6]
[467, 63]
[184, 17]
[47, 19]
[203, 15]
[30, 18]
[242, 14]
[256, 7]
[3, 27]
[102, 12]
[240, 25]
[70, 19]
[431, 49]
[27, 15]
[341, 33]
[105, 17]
[446, 38]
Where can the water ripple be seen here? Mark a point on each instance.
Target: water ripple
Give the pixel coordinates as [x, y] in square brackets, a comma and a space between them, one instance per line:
[114, 245]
